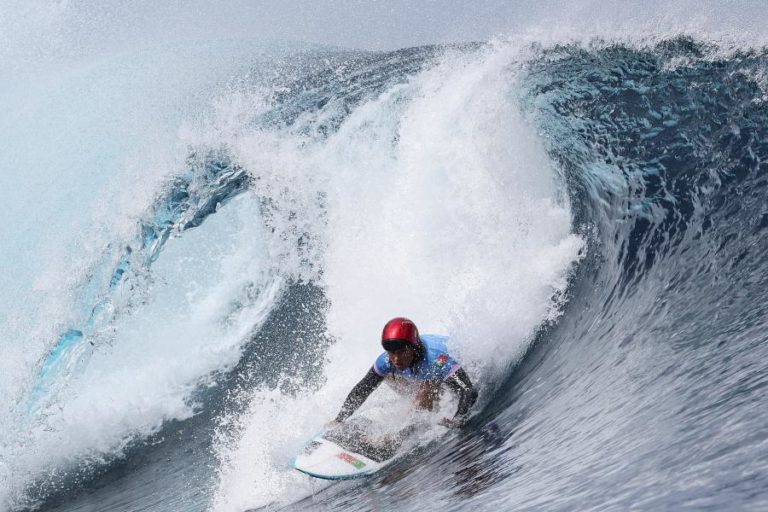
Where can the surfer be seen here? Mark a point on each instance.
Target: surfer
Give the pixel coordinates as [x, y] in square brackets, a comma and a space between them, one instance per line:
[423, 360]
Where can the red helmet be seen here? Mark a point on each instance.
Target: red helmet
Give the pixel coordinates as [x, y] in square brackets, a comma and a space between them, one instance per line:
[399, 333]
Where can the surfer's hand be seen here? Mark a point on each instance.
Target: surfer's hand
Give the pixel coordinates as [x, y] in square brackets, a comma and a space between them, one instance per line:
[451, 422]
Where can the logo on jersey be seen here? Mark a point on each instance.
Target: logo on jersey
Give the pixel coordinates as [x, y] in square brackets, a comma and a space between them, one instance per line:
[352, 460]
[440, 361]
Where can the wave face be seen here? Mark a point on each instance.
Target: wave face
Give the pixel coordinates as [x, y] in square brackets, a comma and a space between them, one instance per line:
[658, 358]
[586, 221]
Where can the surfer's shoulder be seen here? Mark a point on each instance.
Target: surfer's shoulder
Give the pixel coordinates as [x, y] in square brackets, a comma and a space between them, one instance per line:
[382, 366]
[434, 342]
[438, 361]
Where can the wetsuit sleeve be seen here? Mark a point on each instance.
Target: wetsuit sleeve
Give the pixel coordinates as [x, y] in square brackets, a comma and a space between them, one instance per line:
[460, 384]
[359, 393]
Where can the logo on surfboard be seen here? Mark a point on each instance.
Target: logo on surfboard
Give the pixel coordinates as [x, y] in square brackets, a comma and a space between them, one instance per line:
[351, 460]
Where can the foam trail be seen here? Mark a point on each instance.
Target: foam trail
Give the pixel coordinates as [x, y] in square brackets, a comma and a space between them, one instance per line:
[441, 205]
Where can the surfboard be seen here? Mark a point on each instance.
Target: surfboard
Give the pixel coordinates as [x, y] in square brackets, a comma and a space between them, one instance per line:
[322, 458]
[346, 452]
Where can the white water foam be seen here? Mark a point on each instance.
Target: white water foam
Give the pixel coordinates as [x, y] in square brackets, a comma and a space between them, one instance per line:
[441, 205]
[147, 364]
[91, 155]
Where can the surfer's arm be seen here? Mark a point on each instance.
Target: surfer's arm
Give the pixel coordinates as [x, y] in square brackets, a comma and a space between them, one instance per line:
[359, 394]
[460, 384]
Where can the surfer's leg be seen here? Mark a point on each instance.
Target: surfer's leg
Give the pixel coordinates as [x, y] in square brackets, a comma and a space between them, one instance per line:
[427, 394]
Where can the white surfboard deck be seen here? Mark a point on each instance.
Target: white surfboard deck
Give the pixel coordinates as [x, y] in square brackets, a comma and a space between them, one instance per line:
[358, 447]
[322, 458]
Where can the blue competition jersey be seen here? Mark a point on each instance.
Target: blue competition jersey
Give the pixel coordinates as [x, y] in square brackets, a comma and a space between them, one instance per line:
[436, 365]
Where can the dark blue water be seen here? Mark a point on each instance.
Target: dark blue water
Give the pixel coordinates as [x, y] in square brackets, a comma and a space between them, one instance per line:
[647, 393]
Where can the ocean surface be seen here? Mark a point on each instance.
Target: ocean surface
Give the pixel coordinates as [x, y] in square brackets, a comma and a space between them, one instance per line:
[202, 243]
